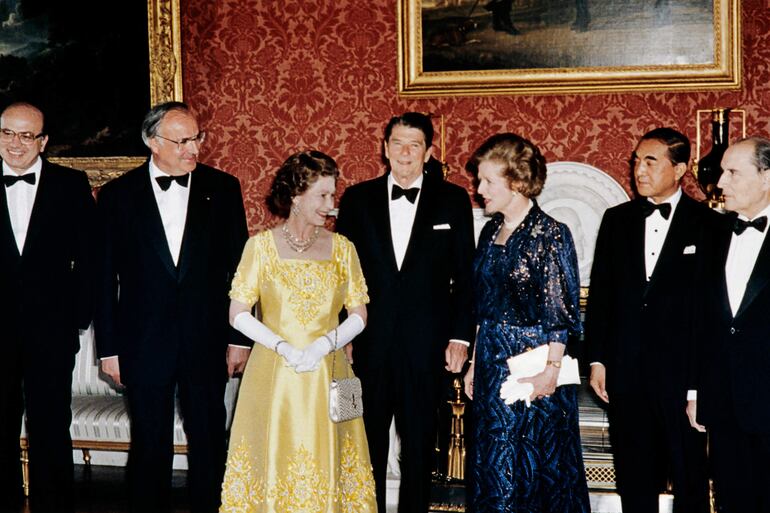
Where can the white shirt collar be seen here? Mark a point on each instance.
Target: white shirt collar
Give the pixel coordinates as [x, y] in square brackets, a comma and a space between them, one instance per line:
[673, 199]
[416, 183]
[764, 212]
[34, 168]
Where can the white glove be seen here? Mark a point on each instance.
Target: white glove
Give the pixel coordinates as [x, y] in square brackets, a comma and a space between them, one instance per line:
[291, 354]
[264, 336]
[325, 344]
[311, 356]
[511, 390]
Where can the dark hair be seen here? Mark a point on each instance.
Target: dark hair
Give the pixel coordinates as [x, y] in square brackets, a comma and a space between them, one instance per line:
[524, 164]
[155, 115]
[678, 144]
[295, 176]
[412, 120]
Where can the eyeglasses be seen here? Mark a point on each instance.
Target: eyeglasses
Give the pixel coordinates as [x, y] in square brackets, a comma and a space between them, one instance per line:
[181, 143]
[27, 138]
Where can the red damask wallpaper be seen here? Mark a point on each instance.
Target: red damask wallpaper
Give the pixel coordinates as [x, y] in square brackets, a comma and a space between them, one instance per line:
[268, 78]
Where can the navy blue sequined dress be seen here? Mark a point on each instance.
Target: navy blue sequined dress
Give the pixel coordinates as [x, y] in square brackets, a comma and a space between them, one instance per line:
[527, 294]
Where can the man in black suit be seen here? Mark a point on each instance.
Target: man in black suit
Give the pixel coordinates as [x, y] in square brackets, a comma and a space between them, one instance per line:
[174, 233]
[47, 247]
[414, 236]
[639, 325]
[732, 378]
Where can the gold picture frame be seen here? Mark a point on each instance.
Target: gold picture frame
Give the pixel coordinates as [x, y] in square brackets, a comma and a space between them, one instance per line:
[165, 69]
[428, 41]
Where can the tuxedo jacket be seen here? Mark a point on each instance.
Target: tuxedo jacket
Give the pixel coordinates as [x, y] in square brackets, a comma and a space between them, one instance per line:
[413, 311]
[733, 373]
[46, 292]
[641, 331]
[161, 318]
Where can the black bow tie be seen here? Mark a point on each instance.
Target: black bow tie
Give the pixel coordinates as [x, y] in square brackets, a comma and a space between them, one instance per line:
[649, 207]
[9, 180]
[739, 225]
[410, 194]
[165, 181]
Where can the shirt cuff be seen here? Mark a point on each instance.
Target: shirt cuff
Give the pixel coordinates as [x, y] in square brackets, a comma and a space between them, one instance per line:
[692, 395]
[236, 345]
[461, 342]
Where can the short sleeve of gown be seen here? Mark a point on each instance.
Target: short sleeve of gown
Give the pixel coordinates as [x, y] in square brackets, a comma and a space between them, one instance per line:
[245, 286]
[356, 293]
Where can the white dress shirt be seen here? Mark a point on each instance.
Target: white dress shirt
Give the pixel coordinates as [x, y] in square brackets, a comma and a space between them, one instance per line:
[655, 230]
[402, 214]
[21, 198]
[744, 250]
[172, 205]
[741, 258]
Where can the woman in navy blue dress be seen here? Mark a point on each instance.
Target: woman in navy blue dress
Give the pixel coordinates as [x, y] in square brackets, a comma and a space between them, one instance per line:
[527, 458]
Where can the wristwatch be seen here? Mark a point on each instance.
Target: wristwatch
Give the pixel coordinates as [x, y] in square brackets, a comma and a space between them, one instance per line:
[555, 363]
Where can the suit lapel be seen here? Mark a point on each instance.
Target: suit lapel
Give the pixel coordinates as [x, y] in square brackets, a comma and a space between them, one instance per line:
[720, 258]
[676, 233]
[195, 227]
[148, 219]
[43, 200]
[421, 220]
[381, 222]
[6, 230]
[636, 247]
[759, 277]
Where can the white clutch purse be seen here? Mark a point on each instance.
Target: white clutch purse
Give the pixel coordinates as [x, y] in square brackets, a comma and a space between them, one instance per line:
[532, 362]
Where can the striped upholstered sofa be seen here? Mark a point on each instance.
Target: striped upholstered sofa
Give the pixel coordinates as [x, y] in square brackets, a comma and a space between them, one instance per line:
[99, 413]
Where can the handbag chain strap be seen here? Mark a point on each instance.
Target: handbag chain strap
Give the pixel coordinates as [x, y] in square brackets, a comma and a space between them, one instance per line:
[334, 353]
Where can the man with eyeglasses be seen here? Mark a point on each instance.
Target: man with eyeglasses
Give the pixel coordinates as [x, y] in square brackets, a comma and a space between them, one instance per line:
[47, 253]
[174, 232]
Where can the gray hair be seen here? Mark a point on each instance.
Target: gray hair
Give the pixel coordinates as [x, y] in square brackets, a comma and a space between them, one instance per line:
[156, 114]
[761, 151]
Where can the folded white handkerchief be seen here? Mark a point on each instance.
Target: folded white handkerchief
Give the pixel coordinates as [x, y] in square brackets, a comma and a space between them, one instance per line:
[444, 226]
[530, 363]
[689, 250]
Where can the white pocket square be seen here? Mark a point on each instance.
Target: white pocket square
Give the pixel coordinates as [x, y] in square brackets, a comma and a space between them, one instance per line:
[444, 226]
[689, 250]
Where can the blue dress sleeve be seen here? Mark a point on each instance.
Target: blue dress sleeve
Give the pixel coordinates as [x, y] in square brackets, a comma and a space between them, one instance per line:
[560, 316]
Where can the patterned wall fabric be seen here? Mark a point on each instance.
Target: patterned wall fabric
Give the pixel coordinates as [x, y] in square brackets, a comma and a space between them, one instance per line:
[268, 78]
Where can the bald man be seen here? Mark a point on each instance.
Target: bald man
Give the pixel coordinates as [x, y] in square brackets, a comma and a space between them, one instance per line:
[47, 246]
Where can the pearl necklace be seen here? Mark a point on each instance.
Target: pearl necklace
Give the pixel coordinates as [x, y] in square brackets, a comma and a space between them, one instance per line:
[299, 245]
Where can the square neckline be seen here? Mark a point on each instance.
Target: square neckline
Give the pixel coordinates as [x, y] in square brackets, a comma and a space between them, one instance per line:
[274, 245]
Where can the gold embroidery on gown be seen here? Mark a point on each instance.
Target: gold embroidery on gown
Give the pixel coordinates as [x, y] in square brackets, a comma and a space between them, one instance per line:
[286, 456]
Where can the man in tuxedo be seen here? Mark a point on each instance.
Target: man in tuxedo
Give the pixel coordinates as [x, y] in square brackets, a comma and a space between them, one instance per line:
[174, 231]
[639, 327]
[732, 378]
[47, 252]
[414, 237]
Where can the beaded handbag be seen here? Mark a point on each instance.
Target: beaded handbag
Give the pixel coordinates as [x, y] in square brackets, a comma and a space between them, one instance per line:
[345, 395]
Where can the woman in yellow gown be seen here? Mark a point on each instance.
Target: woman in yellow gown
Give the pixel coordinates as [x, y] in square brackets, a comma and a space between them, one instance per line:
[285, 453]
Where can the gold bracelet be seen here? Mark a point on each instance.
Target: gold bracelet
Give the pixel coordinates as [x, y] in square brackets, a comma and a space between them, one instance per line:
[553, 363]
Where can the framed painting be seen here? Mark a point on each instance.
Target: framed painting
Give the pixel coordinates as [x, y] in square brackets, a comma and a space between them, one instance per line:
[94, 76]
[484, 47]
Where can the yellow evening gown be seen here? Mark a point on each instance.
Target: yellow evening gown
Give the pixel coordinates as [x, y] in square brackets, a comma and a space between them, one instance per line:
[285, 454]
